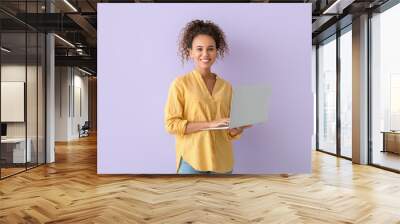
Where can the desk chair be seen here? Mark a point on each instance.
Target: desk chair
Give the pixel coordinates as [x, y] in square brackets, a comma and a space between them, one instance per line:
[84, 130]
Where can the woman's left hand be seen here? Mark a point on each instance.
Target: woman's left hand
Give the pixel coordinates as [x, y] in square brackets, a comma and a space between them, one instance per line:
[238, 130]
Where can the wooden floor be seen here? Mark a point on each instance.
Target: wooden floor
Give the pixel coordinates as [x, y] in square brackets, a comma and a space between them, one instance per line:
[5, 172]
[70, 191]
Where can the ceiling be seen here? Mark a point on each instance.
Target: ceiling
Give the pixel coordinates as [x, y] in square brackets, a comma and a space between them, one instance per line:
[76, 22]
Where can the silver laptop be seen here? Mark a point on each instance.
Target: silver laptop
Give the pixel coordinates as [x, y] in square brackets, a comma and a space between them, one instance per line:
[249, 106]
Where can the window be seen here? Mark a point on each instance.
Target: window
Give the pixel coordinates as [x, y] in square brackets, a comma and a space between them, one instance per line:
[327, 95]
[385, 88]
[346, 75]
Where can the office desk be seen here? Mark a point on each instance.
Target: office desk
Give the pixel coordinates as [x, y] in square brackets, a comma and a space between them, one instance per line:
[13, 150]
[391, 141]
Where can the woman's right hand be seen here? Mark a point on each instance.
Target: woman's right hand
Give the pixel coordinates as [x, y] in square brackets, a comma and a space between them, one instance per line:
[219, 123]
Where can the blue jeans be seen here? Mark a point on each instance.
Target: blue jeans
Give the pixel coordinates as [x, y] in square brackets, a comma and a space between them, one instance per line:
[186, 168]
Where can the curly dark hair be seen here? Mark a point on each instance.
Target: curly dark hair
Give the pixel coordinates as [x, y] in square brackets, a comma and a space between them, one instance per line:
[197, 27]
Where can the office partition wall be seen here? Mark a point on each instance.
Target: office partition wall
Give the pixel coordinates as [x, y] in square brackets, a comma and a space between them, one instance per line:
[13, 70]
[22, 64]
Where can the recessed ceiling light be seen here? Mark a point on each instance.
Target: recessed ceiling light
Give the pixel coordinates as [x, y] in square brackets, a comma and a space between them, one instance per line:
[64, 40]
[5, 50]
[337, 7]
[84, 71]
[70, 5]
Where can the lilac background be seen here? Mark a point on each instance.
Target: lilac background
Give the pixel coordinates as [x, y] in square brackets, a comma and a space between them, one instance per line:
[137, 61]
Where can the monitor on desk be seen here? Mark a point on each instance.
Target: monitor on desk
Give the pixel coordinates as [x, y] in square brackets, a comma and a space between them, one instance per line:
[3, 130]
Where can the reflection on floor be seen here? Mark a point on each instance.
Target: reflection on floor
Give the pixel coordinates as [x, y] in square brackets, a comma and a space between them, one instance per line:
[13, 169]
[10, 171]
[346, 152]
[386, 159]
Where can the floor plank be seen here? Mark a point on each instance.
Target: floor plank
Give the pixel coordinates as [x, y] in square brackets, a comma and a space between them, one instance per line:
[70, 191]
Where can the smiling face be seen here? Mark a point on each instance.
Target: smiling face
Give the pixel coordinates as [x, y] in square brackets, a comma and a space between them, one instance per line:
[203, 52]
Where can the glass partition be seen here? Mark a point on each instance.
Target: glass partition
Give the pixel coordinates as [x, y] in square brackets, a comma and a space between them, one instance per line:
[13, 108]
[22, 77]
[327, 95]
[41, 85]
[32, 95]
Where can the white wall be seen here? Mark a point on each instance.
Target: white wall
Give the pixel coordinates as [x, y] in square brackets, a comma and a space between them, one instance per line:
[62, 81]
[71, 93]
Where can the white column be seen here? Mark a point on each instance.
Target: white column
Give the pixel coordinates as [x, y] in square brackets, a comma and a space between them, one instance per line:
[50, 93]
[360, 90]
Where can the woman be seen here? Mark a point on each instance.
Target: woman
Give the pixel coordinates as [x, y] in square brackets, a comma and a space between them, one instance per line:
[199, 100]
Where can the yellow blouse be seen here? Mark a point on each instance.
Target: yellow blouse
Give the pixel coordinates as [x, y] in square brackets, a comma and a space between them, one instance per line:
[189, 101]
